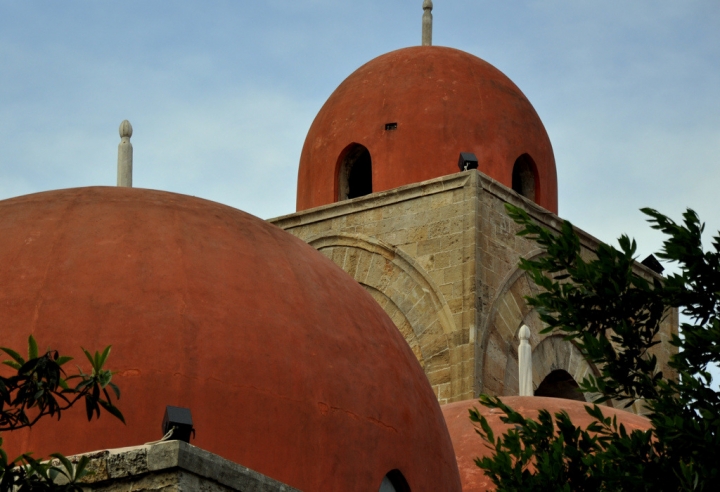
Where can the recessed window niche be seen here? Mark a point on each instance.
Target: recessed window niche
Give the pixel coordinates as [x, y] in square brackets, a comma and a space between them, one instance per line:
[355, 172]
[524, 177]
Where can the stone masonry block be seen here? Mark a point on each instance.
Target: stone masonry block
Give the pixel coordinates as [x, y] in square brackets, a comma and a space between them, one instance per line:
[439, 376]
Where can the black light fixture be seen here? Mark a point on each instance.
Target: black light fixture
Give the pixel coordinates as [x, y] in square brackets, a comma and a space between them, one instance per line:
[467, 161]
[179, 420]
[653, 264]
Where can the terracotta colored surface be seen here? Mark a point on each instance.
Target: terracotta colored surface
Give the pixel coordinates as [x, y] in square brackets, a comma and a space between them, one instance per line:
[444, 102]
[468, 445]
[288, 365]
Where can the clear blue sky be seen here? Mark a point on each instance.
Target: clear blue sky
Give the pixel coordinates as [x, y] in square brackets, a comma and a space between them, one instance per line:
[221, 93]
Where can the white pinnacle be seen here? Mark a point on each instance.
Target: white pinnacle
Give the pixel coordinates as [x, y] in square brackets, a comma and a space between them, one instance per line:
[525, 362]
[125, 155]
[427, 23]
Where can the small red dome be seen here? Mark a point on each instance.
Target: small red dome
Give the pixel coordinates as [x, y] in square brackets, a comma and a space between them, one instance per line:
[435, 103]
[288, 366]
[468, 445]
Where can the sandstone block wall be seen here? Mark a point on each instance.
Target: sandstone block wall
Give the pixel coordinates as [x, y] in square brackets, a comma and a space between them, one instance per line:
[441, 258]
[414, 250]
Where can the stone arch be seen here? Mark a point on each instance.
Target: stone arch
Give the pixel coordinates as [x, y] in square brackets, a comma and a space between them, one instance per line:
[406, 293]
[499, 328]
[555, 353]
[498, 361]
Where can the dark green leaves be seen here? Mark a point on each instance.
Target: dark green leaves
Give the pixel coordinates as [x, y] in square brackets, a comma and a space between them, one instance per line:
[613, 313]
[39, 388]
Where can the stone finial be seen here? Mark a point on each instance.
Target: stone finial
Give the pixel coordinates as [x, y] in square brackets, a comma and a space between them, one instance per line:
[125, 155]
[125, 129]
[525, 363]
[427, 23]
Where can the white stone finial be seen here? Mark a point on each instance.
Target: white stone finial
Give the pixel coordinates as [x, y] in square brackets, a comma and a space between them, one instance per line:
[125, 129]
[125, 155]
[427, 23]
[525, 362]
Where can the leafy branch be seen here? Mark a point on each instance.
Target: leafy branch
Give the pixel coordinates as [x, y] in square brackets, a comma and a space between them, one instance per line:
[614, 314]
[39, 388]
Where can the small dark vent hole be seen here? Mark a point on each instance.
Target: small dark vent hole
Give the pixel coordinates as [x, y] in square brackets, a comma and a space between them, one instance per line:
[390, 126]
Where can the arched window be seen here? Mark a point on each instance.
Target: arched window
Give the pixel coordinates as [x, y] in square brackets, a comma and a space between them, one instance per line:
[524, 177]
[394, 481]
[560, 384]
[355, 172]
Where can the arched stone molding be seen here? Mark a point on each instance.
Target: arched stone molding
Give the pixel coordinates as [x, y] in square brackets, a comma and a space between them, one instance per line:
[553, 353]
[405, 291]
[498, 363]
[498, 330]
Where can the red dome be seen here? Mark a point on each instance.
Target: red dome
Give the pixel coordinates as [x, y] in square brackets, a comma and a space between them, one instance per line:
[443, 101]
[468, 445]
[288, 366]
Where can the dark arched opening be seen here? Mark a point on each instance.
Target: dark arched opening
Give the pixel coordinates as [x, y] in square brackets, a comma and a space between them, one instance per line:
[355, 173]
[394, 481]
[560, 384]
[524, 177]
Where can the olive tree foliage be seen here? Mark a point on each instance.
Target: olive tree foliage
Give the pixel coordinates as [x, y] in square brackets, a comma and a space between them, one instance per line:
[38, 388]
[613, 315]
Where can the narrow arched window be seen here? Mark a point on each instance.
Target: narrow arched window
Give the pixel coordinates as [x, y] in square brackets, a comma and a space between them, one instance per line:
[560, 384]
[524, 177]
[394, 481]
[355, 172]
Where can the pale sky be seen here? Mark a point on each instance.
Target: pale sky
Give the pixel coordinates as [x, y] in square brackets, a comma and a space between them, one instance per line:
[221, 94]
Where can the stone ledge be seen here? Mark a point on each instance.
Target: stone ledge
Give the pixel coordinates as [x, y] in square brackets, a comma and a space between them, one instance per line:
[374, 200]
[172, 463]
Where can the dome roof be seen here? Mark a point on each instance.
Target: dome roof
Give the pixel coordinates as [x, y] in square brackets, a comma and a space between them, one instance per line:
[436, 102]
[468, 445]
[288, 366]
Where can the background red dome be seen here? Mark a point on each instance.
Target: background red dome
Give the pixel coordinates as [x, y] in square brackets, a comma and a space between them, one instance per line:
[444, 102]
[288, 366]
[468, 445]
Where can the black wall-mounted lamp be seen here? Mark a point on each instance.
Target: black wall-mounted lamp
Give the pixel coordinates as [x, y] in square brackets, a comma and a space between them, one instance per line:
[653, 264]
[467, 161]
[180, 421]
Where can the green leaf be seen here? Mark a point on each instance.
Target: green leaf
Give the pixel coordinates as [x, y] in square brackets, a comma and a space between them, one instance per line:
[80, 468]
[63, 359]
[12, 364]
[14, 355]
[89, 357]
[115, 389]
[113, 410]
[32, 348]
[104, 356]
[66, 464]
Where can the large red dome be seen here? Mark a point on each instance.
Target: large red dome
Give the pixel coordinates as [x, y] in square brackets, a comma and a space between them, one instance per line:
[288, 366]
[469, 445]
[436, 103]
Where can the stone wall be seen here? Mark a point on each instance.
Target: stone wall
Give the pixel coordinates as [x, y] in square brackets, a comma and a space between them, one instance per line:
[441, 258]
[502, 307]
[171, 466]
[413, 248]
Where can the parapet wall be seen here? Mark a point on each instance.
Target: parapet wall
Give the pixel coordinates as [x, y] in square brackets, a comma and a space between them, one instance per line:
[172, 465]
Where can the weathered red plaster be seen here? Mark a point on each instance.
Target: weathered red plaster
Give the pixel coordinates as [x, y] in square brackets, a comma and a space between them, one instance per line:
[444, 102]
[288, 366]
[468, 445]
